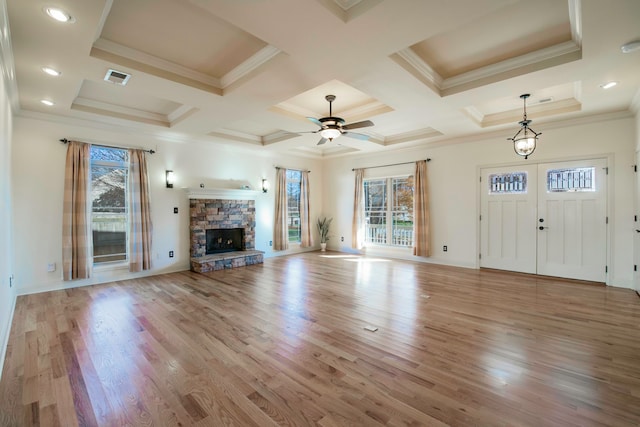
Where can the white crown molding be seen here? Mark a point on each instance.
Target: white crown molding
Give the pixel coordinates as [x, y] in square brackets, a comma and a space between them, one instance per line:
[254, 62]
[236, 136]
[278, 136]
[553, 55]
[425, 133]
[153, 61]
[6, 58]
[106, 109]
[635, 105]
[166, 68]
[512, 64]
[575, 20]
[181, 113]
[421, 67]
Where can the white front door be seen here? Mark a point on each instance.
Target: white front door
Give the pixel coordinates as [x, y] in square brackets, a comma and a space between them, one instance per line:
[508, 216]
[547, 219]
[572, 220]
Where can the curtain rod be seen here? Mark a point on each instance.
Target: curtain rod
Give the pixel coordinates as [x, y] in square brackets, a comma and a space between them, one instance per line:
[280, 167]
[384, 166]
[65, 140]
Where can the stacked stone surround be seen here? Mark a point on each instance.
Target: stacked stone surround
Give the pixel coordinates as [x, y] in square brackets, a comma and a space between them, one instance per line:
[209, 214]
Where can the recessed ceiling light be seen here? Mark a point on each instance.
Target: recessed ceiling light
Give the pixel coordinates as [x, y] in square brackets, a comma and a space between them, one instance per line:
[608, 85]
[51, 71]
[47, 102]
[58, 14]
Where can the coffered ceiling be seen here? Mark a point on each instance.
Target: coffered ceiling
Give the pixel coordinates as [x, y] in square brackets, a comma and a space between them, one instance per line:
[250, 72]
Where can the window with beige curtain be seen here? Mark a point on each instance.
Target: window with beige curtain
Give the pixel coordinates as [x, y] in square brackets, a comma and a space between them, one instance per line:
[358, 223]
[422, 238]
[305, 211]
[292, 209]
[280, 229]
[76, 224]
[140, 228]
[116, 210]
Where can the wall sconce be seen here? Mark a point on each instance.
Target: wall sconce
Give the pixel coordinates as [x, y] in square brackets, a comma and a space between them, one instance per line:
[265, 185]
[171, 178]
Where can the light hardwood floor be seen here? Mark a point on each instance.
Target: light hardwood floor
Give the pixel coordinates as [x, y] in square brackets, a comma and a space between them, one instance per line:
[284, 344]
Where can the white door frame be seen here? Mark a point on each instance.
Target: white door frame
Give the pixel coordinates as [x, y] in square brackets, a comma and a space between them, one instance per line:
[609, 202]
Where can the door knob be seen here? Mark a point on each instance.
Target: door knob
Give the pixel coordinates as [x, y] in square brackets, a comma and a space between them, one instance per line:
[541, 220]
[542, 228]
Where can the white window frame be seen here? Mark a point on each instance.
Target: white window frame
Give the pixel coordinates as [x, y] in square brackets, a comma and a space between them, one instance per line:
[115, 165]
[291, 218]
[388, 214]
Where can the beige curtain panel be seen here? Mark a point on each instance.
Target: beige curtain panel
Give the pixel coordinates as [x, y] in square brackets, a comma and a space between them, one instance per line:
[357, 228]
[305, 221]
[76, 216]
[280, 230]
[421, 239]
[139, 213]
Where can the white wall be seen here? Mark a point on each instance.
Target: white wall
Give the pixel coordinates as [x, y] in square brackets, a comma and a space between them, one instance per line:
[454, 194]
[38, 179]
[7, 294]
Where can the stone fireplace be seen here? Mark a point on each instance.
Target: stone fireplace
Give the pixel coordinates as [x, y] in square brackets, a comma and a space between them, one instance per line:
[222, 234]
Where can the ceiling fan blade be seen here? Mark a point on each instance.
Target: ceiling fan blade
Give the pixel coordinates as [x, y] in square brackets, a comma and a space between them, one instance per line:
[322, 141]
[314, 120]
[357, 125]
[359, 136]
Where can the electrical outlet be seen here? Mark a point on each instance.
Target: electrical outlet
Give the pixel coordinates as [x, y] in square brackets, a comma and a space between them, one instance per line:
[444, 248]
[270, 242]
[175, 210]
[11, 281]
[51, 267]
[342, 239]
[170, 254]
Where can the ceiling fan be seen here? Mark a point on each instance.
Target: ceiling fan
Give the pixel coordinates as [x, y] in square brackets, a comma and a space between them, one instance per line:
[333, 127]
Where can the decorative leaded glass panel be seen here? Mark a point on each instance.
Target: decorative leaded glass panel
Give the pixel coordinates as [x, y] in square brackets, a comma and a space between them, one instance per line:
[508, 183]
[575, 179]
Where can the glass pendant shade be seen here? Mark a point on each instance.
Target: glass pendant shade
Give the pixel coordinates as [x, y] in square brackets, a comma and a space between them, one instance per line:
[330, 133]
[525, 146]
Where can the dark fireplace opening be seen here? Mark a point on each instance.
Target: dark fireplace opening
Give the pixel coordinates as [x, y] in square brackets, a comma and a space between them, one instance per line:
[225, 240]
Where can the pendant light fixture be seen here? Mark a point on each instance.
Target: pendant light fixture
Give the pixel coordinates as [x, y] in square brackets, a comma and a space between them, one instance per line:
[524, 142]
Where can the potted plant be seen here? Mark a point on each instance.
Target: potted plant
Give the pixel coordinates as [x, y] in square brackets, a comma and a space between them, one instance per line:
[323, 230]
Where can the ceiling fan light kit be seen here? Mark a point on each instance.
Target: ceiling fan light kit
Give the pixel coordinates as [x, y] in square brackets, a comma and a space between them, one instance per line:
[525, 140]
[334, 127]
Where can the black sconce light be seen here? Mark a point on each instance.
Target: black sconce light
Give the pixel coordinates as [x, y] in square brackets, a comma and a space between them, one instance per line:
[265, 185]
[170, 179]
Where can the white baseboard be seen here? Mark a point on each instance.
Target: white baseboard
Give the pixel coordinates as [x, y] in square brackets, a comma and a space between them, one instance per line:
[96, 280]
[5, 335]
[621, 283]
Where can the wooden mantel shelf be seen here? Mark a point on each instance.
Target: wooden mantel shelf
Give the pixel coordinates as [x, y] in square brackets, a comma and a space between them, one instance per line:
[222, 193]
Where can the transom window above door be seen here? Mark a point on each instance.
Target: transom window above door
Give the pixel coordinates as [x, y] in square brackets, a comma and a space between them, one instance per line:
[508, 183]
[576, 179]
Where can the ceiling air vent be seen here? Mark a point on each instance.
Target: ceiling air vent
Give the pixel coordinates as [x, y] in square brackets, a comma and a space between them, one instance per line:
[117, 77]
